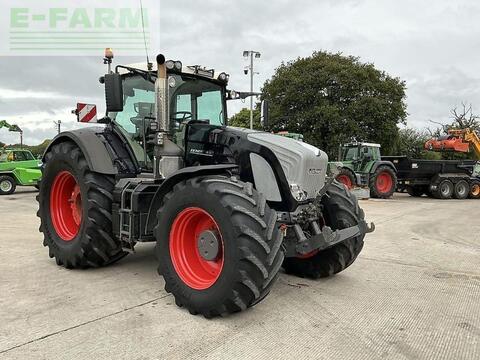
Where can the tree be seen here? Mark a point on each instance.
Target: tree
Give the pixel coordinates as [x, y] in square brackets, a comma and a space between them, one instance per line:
[332, 99]
[410, 142]
[465, 118]
[242, 119]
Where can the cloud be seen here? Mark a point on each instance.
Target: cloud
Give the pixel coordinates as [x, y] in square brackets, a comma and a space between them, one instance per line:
[431, 45]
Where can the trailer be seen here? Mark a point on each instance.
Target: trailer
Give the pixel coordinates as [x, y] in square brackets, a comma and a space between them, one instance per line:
[442, 179]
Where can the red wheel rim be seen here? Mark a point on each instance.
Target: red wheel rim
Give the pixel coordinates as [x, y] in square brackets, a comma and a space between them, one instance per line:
[384, 182]
[66, 206]
[344, 179]
[475, 190]
[307, 255]
[191, 267]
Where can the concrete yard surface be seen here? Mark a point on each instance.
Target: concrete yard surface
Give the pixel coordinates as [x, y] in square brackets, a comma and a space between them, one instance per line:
[413, 293]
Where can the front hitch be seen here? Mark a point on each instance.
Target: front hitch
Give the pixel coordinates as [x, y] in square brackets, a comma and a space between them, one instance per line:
[325, 238]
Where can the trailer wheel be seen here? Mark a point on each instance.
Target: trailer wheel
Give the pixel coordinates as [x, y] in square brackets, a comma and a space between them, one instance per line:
[383, 182]
[75, 209]
[7, 185]
[444, 190]
[475, 190]
[218, 245]
[416, 191]
[461, 190]
[346, 177]
[341, 210]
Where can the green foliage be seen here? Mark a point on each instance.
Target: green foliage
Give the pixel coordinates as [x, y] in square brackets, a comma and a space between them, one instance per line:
[242, 119]
[410, 142]
[332, 99]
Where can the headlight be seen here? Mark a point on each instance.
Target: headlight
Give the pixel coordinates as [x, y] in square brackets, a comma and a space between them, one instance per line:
[223, 77]
[170, 64]
[297, 192]
[178, 65]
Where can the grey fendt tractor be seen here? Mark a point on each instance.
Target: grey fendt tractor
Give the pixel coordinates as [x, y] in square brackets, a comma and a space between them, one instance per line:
[227, 207]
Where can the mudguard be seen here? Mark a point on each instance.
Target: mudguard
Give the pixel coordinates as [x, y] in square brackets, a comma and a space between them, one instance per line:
[92, 146]
[380, 163]
[180, 175]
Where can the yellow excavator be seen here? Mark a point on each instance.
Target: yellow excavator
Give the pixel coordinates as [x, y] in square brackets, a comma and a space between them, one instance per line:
[469, 136]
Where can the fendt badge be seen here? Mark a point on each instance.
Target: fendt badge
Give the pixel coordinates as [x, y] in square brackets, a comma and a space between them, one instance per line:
[314, 171]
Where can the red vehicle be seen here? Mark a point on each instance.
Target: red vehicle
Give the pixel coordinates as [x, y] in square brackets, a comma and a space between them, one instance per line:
[447, 143]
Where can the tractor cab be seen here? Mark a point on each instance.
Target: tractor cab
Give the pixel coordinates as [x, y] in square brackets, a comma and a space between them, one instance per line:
[360, 155]
[195, 95]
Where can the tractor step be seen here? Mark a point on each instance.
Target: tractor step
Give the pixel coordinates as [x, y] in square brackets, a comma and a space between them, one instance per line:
[132, 198]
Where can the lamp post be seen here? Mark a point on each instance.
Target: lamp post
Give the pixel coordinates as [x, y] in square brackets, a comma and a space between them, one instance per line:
[58, 126]
[251, 54]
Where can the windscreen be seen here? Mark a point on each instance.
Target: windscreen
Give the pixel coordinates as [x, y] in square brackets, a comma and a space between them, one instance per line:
[192, 98]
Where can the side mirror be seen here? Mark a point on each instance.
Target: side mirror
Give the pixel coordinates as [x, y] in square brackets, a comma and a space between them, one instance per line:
[113, 92]
[264, 114]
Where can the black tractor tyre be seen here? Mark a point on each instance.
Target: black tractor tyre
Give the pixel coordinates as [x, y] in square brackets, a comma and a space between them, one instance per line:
[461, 190]
[346, 177]
[474, 190]
[340, 210]
[383, 182]
[416, 191]
[250, 256]
[7, 185]
[86, 240]
[444, 190]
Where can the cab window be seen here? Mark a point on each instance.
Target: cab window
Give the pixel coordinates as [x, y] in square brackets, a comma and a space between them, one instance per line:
[350, 154]
[28, 155]
[19, 156]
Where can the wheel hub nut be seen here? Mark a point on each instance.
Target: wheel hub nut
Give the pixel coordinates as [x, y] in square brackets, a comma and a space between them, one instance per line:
[208, 245]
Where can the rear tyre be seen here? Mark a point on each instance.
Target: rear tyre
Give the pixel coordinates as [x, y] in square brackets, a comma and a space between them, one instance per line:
[346, 177]
[461, 190]
[383, 182]
[7, 185]
[416, 191]
[474, 190]
[444, 190]
[341, 210]
[75, 209]
[243, 233]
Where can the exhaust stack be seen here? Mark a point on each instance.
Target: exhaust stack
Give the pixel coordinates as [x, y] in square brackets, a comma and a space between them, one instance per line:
[161, 93]
[168, 156]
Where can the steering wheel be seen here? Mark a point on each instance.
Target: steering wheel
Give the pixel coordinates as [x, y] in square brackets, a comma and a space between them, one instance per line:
[186, 115]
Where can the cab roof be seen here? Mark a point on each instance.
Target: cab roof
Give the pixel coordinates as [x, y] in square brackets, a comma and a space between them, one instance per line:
[362, 144]
[186, 69]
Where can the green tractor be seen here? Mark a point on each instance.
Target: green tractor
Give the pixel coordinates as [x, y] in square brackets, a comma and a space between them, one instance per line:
[18, 167]
[361, 165]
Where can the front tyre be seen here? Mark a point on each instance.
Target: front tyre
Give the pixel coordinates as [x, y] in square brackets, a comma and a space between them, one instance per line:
[346, 177]
[340, 210]
[218, 245]
[7, 185]
[75, 209]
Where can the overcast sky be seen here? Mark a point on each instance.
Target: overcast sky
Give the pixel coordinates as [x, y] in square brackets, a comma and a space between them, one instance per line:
[432, 45]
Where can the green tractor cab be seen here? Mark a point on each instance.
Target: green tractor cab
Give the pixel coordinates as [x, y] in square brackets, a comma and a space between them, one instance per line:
[18, 168]
[360, 165]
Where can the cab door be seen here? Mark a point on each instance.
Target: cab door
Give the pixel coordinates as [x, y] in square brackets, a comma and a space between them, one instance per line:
[25, 159]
